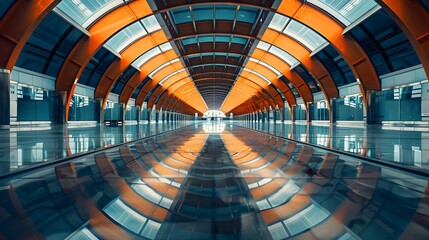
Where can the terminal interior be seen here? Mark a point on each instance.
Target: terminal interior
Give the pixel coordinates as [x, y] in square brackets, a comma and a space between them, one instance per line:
[199, 119]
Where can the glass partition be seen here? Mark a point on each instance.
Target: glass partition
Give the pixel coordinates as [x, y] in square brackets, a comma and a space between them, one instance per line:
[349, 108]
[35, 104]
[320, 111]
[399, 104]
[113, 111]
[131, 113]
[299, 112]
[82, 108]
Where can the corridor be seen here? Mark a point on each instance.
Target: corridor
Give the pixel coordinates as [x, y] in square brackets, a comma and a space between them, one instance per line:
[214, 180]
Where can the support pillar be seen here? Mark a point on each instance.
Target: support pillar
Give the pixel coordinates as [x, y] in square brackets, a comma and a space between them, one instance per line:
[62, 101]
[369, 111]
[310, 112]
[139, 112]
[4, 98]
[124, 112]
[100, 110]
[333, 111]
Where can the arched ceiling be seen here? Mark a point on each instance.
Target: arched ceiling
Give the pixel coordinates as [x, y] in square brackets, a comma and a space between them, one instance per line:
[194, 56]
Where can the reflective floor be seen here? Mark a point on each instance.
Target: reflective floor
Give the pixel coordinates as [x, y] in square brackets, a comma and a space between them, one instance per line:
[401, 145]
[27, 146]
[215, 181]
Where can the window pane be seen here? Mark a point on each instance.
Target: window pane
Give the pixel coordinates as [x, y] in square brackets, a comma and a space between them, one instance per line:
[304, 34]
[346, 11]
[83, 10]
[126, 36]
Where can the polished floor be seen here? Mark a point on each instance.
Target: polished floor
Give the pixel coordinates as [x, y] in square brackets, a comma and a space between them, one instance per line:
[24, 147]
[401, 145]
[214, 181]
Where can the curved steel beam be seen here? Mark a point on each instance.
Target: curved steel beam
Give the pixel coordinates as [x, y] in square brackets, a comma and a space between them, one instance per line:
[100, 31]
[412, 17]
[17, 25]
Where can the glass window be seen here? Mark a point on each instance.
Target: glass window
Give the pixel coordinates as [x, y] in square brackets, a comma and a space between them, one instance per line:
[203, 39]
[247, 14]
[146, 56]
[133, 32]
[126, 36]
[222, 38]
[239, 40]
[337, 67]
[203, 13]
[349, 108]
[162, 66]
[266, 65]
[35, 104]
[263, 45]
[304, 34]
[385, 43]
[181, 15]
[189, 41]
[151, 24]
[225, 12]
[165, 47]
[289, 59]
[346, 11]
[85, 12]
[258, 74]
[278, 22]
[172, 74]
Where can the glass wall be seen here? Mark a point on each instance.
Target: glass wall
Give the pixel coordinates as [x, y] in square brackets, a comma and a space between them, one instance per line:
[399, 104]
[131, 113]
[299, 112]
[35, 104]
[349, 108]
[113, 111]
[320, 111]
[82, 108]
[286, 113]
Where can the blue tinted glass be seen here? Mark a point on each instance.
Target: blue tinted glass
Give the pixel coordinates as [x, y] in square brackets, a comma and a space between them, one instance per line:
[247, 14]
[224, 12]
[207, 54]
[202, 13]
[222, 38]
[182, 15]
[205, 39]
[188, 41]
[239, 40]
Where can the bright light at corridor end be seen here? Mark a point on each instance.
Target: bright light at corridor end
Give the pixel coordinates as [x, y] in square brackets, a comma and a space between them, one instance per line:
[214, 113]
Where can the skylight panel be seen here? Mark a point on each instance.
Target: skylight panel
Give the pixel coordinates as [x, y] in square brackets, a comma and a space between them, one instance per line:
[258, 74]
[304, 34]
[267, 66]
[126, 36]
[172, 74]
[263, 45]
[278, 22]
[289, 59]
[151, 24]
[85, 12]
[346, 11]
[146, 56]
